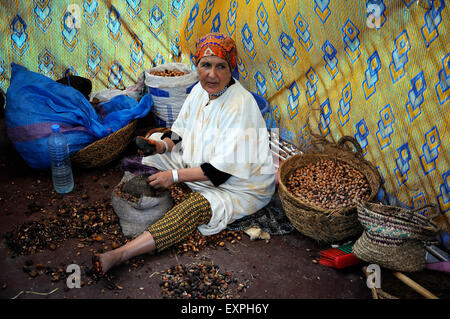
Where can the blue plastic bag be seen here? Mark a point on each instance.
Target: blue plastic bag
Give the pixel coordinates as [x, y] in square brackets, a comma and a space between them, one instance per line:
[34, 102]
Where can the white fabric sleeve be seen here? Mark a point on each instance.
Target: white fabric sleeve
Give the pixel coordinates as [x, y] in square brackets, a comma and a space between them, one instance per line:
[242, 147]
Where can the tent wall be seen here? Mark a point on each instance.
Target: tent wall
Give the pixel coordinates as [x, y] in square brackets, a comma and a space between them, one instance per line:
[376, 70]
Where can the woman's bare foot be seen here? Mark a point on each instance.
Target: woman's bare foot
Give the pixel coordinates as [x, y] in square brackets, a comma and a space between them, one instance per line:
[110, 259]
[142, 244]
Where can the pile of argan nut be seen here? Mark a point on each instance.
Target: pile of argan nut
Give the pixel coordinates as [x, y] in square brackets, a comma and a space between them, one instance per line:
[196, 241]
[87, 223]
[200, 281]
[168, 73]
[329, 184]
[179, 192]
[33, 270]
[128, 197]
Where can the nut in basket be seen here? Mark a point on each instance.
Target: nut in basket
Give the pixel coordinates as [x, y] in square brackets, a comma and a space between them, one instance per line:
[319, 190]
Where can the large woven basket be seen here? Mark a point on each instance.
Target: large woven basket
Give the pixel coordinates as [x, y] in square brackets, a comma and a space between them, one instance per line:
[326, 225]
[105, 150]
[394, 237]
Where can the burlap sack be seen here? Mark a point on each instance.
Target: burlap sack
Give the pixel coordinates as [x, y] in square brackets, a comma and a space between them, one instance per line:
[136, 216]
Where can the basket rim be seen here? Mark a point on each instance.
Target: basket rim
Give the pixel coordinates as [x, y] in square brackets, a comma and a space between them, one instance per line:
[408, 254]
[310, 205]
[105, 138]
[88, 157]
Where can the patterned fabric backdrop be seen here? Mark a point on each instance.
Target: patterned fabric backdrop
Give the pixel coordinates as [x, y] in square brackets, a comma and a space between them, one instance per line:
[378, 70]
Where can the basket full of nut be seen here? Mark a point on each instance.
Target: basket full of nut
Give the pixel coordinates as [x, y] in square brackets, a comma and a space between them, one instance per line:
[319, 190]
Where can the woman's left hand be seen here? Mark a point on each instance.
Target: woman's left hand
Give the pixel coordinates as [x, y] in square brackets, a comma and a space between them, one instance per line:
[161, 179]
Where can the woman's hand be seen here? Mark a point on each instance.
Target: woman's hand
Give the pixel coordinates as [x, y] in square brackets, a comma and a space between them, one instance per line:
[160, 147]
[165, 179]
[150, 146]
[161, 179]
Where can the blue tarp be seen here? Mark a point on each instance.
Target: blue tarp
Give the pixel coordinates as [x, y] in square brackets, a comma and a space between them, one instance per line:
[34, 102]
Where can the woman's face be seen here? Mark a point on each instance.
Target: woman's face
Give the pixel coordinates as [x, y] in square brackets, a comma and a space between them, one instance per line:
[214, 73]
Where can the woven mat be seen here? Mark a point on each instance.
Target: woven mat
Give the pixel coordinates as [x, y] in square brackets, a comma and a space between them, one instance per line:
[271, 219]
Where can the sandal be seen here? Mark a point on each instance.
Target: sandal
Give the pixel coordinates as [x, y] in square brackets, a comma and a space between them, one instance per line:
[145, 145]
[97, 266]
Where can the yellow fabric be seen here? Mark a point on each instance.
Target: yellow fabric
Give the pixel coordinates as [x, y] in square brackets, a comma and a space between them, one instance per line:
[383, 78]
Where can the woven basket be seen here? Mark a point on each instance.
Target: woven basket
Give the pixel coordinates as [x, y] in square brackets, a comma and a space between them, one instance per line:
[326, 225]
[394, 237]
[105, 150]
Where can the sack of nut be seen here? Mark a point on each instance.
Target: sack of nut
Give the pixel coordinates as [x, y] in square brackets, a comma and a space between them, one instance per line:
[169, 85]
[138, 205]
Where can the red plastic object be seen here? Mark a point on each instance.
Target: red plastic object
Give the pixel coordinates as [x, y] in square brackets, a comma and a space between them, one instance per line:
[338, 259]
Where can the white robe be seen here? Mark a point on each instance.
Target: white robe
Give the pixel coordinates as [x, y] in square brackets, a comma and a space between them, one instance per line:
[229, 132]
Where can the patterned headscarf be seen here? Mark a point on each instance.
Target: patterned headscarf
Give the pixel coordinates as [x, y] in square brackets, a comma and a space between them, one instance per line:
[218, 45]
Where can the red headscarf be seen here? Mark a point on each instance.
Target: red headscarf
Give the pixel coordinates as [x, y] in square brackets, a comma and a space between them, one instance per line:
[218, 45]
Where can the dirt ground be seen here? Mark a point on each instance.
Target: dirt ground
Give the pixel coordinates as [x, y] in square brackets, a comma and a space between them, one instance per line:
[285, 267]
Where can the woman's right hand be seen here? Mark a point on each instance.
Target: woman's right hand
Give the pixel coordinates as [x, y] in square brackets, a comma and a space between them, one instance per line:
[161, 179]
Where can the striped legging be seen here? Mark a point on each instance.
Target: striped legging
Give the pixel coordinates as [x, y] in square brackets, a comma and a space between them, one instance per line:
[181, 221]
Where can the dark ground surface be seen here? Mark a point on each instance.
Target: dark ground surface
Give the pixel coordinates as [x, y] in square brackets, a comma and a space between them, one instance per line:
[282, 268]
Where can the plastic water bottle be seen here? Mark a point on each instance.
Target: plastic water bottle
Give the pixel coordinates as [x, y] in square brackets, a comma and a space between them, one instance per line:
[58, 150]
